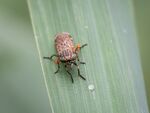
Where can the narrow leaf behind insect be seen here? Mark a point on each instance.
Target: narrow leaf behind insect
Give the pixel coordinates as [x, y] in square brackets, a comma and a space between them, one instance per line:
[112, 67]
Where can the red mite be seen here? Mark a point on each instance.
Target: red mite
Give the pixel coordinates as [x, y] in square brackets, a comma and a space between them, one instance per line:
[67, 53]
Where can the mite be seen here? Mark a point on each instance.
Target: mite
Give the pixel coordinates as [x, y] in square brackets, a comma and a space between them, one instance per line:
[67, 53]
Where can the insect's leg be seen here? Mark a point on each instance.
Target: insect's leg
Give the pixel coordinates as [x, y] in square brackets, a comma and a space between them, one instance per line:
[57, 69]
[50, 58]
[78, 70]
[73, 62]
[80, 61]
[83, 46]
[69, 74]
[57, 61]
[80, 74]
[79, 47]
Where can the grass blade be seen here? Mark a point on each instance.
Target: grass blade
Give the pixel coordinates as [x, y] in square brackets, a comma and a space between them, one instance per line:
[112, 62]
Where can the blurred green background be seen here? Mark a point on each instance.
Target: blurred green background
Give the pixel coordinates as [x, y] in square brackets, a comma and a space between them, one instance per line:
[22, 87]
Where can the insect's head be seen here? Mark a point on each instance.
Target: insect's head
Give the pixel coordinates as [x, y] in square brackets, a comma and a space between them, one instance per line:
[70, 64]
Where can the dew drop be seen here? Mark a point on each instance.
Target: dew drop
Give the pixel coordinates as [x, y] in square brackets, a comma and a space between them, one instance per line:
[91, 87]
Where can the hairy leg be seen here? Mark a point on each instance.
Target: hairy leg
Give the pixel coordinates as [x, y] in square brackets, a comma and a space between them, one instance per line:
[80, 74]
[69, 74]
[57, 69]
[78, 70]
[83, 46]
[50, 58]
[78, 47]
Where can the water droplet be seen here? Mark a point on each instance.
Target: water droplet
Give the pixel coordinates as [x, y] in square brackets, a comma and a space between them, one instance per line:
[91, 87]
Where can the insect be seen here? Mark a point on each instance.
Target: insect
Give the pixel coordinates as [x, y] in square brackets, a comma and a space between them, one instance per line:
[67, 53]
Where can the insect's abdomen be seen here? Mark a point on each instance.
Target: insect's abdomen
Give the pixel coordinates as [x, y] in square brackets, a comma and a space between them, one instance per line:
[64, 46]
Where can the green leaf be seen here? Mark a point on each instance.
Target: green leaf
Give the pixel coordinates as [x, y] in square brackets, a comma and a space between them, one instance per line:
[114, 79]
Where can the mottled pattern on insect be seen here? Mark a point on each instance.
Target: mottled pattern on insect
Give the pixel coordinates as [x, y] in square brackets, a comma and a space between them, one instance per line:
[67, 53]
